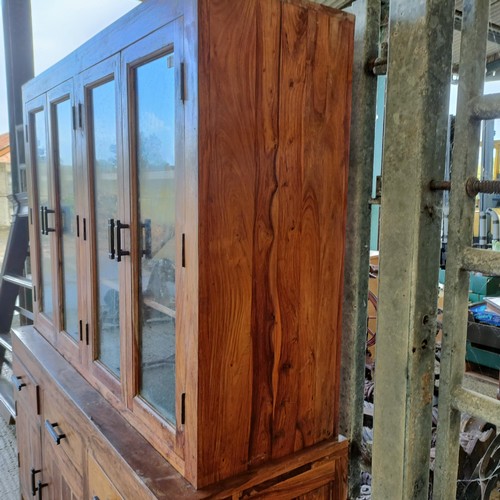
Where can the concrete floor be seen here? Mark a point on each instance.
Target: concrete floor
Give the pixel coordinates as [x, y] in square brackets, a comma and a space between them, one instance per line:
[9, 472]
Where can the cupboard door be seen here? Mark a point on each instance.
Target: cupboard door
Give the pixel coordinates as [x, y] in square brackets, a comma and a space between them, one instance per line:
[155, 176]
[107, 232]
[68, 222]
[27, 431]
[42, 228]
[153, 107]
[99, 484]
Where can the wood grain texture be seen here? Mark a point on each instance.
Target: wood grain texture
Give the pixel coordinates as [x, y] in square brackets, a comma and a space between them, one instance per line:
[313, 156]
[227, 83]
[274, 130]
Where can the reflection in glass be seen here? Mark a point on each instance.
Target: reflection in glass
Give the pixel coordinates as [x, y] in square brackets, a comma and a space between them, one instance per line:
[155, 129]
[64, 148]
[42, 170]
[106, 207]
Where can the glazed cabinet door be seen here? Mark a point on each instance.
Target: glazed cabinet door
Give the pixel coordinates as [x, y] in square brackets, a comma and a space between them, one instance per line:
[154, 114]
[107, 233]
[55, 222]
[42, 223]
[69, 224]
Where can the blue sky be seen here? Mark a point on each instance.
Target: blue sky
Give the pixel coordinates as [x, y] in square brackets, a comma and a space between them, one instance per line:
[59, 27]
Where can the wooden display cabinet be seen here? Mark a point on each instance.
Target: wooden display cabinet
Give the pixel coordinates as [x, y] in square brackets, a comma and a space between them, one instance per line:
[188, 174]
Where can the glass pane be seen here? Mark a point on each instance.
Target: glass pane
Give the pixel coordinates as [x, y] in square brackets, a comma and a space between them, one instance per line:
[106, 207]
[42, 170]
[155, 129]
[64, 150]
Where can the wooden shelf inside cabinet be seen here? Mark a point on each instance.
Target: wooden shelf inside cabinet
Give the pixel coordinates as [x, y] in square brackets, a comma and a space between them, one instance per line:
[159, 307]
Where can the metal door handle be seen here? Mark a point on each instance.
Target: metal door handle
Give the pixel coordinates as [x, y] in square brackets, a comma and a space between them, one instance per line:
[42, 219]
[146, 227]
[47, 228]
[119, 252]
[40, 485]
[53, 434]
[33, 485]
[18, 383]
[111, 239]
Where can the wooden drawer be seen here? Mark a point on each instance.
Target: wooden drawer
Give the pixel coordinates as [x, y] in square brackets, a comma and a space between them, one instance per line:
[27, 390]
[100, 486]
[61, 428]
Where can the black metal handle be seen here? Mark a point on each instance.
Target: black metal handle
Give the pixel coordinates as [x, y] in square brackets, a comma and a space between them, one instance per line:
[47, 228]
[119, 252]
[17, 382]
[33, 485]
[42, 218]
[111, 239]
[40, 485]
[53, 434]
[146, 227]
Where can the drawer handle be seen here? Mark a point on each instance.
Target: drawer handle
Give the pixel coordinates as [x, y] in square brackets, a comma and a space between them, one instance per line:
[53, 434]
[17, 382]
[40, 485]
[33, 485]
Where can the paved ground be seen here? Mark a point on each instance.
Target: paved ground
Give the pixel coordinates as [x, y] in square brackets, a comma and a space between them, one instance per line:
[4, 234]
[9, 472]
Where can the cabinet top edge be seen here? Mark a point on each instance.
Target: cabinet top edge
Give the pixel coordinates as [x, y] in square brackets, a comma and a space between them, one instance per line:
[139, 22]
[319, 7]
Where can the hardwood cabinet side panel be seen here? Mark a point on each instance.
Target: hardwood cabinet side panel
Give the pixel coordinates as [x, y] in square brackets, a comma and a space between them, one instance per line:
[315, 81]
[231, 98]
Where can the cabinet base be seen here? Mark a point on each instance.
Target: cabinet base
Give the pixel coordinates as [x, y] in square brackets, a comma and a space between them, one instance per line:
[99, 438]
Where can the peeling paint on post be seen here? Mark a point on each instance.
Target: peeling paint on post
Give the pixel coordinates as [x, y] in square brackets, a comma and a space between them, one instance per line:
[419, 69]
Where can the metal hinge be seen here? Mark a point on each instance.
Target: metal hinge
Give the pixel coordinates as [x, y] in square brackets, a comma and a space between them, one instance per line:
[87, 333]
[80, 115]
[34, 293]
[183, 250]
[37, 392]
[26, 133]
[183, 82]
[183, 408]
[18, 459]
[74, 117]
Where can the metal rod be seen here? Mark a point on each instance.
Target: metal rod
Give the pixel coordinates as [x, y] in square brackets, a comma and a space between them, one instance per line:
[357, 256]
[417, 103]
[474, 186]
[440, 186]
[467, 131]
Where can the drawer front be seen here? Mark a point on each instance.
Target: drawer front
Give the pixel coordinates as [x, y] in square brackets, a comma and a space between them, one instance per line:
[100, 486]
[61, 429]
[26, 390]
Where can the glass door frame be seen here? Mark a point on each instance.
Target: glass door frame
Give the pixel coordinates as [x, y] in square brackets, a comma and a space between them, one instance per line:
[101, 376]
[166, 40]
[42, 322]
[67, 344]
